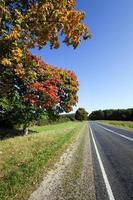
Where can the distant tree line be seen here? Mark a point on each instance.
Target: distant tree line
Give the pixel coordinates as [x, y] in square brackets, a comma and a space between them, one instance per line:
[112, 114]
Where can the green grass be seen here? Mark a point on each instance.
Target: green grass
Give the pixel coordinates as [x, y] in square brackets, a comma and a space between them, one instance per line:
[24, 160]
[122, 124]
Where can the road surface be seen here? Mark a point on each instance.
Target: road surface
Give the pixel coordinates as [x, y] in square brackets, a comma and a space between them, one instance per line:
[112, 151]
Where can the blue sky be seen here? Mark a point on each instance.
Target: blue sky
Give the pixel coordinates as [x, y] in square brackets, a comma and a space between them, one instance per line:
[104, 64]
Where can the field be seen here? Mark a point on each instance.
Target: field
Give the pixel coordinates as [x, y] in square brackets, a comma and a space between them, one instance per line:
[121, 124]
[25, 159]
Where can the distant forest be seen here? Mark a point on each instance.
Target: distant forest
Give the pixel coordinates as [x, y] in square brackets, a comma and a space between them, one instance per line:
[112, 114]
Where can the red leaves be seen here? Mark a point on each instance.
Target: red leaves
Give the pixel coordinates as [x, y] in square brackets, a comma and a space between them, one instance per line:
[48, 90]
[48, 86]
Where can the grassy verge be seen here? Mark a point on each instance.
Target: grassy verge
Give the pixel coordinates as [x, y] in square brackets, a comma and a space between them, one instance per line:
[121, 124]
[24, 160]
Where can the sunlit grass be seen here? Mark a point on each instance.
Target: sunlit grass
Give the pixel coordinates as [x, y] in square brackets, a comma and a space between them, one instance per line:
[122, 124]
[24, 160]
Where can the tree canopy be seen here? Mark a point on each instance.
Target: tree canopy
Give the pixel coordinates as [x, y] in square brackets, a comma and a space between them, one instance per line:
[37, 88]
[81, 114]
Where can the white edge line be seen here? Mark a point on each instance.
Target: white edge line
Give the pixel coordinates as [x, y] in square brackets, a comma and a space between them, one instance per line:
[108, 187]
[126, 137]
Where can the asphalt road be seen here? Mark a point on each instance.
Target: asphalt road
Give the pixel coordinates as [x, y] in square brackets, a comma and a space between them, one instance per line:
[113, 167]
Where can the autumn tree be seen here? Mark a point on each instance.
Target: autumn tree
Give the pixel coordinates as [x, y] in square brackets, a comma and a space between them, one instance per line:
[38, 88]
[26, 24]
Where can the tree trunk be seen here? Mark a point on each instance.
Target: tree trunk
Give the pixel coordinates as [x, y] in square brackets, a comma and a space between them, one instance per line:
[25, 130]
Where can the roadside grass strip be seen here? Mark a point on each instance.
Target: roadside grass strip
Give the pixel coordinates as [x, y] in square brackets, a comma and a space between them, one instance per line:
[127, 125]
[105, 178]
[114, 132]
[25, 160]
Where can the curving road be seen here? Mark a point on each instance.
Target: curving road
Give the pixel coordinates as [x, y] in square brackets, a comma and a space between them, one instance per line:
[112, 151]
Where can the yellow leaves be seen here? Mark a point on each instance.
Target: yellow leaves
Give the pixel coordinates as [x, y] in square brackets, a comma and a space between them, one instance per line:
[31, 74]
[14, 35]
[3, 9]
[18, 14]
[19, 17]
[20, 70]
[49, 16]
[17, 54]
[71, 3]
[76, 40]
[46, 7]
[41, 23]
[6, 62]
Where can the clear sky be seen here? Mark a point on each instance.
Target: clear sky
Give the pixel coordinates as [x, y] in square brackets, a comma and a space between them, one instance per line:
[104, 64]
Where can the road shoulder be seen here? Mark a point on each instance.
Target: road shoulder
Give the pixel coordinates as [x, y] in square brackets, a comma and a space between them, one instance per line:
[72, 177]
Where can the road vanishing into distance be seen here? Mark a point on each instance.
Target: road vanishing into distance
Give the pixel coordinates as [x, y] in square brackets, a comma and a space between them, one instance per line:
[112, 152]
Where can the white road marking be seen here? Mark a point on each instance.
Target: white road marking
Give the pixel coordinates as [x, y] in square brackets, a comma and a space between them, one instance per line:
[126, 137]
[108, 187]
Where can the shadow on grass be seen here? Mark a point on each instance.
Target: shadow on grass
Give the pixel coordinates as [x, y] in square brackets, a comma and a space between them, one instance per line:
[6, 133]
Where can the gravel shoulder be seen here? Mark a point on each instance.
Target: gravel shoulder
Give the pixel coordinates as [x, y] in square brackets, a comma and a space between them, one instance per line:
[72, 177]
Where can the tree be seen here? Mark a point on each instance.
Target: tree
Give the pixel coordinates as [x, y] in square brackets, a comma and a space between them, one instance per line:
[37, 88]
[81, 114]
[25, 24]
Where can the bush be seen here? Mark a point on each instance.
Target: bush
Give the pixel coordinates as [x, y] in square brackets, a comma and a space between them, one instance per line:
[81, 114]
